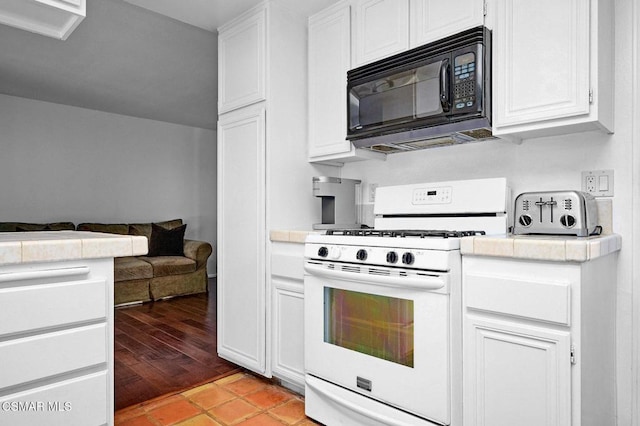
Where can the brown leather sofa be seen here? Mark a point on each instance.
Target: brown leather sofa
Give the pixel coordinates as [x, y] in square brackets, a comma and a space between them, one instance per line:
[143, 278]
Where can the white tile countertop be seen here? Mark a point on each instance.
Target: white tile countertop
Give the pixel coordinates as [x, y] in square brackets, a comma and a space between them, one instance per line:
[542, 247]
[285, 236]
[50, 246]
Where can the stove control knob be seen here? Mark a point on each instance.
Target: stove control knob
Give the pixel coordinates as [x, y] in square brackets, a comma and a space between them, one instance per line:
[323, 252]
[361, 255]
[408, 258]
[568, 221]
[525, 220]
[392, 257]
[334, 253]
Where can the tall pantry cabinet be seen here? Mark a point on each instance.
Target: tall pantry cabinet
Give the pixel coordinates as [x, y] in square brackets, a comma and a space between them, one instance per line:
[264, 179]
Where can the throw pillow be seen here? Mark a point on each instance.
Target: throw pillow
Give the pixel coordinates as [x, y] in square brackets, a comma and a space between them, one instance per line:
[166, 242]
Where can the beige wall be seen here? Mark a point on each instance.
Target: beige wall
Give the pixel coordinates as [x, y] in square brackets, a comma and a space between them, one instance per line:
[59, 162]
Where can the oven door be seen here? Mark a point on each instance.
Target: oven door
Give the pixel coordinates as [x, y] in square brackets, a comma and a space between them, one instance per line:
[382, 336]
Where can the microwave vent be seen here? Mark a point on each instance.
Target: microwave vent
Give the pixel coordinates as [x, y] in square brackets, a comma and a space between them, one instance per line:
[455, 138]
[478, 133]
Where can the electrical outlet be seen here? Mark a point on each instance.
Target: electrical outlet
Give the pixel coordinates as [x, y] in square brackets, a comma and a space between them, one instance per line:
[599, 183]
[372, 192]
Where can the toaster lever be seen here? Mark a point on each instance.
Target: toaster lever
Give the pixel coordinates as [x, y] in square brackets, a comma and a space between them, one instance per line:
[546, 203]
[551, 203]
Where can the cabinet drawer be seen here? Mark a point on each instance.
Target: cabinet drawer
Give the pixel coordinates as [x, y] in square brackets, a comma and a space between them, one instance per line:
[80, 401]
[288, 265]
[36, 357]
[539, 300]
[33, 307]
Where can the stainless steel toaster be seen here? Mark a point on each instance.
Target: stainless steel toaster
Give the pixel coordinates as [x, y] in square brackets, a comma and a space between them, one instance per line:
[556, 213]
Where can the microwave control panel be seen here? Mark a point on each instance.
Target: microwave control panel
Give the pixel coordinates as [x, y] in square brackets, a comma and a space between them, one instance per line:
[464, 81]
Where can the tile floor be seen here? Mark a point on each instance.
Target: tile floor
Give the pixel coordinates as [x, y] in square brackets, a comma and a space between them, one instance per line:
[240, 399]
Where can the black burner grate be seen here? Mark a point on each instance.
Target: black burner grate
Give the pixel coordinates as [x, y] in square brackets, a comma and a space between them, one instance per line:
[404, 233]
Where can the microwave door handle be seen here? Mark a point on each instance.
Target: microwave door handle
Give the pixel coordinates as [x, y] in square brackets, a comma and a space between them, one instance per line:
[445, 99]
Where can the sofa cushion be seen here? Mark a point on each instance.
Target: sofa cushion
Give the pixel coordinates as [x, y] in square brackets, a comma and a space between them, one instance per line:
[22, 228]
[166, 242]
[131, 268]
[55, 226]
[109, 228]
[170, 265]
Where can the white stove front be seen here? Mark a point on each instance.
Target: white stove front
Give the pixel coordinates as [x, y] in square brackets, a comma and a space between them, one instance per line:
[387, 343]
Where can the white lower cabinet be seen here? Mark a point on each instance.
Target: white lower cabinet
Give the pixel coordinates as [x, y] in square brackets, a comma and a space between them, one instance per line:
[56, 343]
[517, 374]
[538, 342]
[287, 289]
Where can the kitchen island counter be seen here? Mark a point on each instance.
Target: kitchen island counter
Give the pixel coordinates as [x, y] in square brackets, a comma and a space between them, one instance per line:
[542, 247]
[54, 246]
[56, 325]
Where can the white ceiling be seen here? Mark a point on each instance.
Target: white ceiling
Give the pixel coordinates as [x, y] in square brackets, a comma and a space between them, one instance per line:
[211, 14]
[143, 58]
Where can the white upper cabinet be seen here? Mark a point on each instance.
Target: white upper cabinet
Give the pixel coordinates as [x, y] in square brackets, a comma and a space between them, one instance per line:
[329, 60]
[553, 69]
[52, 18]
[431, 20]
[381, 29]
[242, 77]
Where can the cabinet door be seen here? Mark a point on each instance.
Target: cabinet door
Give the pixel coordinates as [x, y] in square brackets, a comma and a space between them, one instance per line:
[52, 18]
[288, 331]
[541, 61]
[241, 238]
[516, 375]
[434, 19]
[241, 61]
[329, 61]
[381, 29]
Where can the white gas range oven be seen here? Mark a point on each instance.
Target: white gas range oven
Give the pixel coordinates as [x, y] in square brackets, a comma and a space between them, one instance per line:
[383, 310]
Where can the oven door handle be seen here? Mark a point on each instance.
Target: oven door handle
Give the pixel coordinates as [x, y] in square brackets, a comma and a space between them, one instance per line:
[426, 282]
[381, 418]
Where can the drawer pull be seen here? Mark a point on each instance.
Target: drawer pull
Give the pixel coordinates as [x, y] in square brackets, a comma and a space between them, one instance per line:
[48, 273]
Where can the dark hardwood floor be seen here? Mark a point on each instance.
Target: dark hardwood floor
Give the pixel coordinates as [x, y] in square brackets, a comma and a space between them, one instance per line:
[166, 346]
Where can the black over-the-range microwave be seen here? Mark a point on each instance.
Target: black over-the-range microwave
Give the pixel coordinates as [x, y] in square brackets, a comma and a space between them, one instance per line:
[436, 94]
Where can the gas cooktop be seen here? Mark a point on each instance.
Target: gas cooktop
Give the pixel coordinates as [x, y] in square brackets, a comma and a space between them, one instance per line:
[420, 233]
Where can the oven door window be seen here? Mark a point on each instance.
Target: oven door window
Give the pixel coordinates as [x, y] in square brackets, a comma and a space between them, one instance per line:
[379, 326]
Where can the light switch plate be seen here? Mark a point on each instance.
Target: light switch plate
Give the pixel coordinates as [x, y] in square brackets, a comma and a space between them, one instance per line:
[598, 183]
